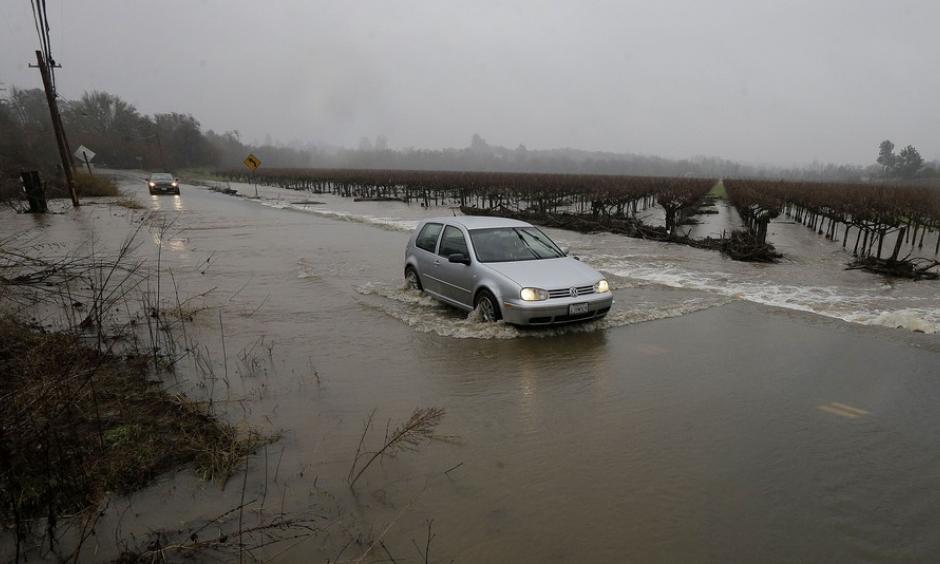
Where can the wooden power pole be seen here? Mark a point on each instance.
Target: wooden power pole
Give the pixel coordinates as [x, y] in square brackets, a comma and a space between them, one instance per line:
[60, 138]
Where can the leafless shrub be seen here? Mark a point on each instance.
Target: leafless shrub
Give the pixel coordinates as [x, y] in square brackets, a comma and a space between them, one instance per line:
[408, 436]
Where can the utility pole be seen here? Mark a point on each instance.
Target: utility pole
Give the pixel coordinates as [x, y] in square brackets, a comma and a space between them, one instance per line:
[61, 141]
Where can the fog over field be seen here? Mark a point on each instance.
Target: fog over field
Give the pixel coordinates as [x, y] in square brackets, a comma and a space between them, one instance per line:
[762, 82]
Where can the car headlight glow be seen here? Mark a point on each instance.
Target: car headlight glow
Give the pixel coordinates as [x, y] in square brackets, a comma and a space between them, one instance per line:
[533, 294]
[153, 184]
[602, 287]
[173, 184]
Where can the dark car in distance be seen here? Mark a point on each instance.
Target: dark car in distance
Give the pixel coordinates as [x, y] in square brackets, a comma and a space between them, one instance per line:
[163, 183]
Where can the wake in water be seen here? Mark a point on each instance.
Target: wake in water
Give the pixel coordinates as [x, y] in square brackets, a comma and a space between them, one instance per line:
[422, 312]
[390, 223]
[855, 305]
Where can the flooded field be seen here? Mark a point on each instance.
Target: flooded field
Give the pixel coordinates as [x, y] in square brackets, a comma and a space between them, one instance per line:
[722, 412]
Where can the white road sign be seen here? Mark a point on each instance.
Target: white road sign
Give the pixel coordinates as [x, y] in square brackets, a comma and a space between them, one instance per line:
[84, 152]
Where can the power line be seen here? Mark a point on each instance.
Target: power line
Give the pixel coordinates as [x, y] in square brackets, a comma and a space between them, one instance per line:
[45, 30]
[42, 44]
[41, 22]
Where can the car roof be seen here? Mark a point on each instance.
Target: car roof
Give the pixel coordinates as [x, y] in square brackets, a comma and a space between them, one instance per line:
[478, 221]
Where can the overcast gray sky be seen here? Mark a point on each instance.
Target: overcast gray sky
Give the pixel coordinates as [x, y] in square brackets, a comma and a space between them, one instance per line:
[758, 81]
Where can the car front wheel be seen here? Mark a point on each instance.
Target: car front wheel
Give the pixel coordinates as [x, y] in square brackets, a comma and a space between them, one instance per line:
[411, 279]
[488, 307]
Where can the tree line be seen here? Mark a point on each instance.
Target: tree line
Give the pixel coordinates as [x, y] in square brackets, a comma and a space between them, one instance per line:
[907, 164]
[123, 137]
[119, 134]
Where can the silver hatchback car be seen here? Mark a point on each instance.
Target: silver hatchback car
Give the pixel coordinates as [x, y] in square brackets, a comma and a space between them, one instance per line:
[507, 269]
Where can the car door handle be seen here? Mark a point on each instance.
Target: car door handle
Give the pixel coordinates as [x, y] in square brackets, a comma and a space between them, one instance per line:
[437, 262]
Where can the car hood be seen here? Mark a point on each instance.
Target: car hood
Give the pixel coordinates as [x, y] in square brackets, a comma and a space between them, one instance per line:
[548, 274]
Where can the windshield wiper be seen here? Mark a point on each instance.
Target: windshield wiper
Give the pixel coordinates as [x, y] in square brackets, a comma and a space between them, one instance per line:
[526, 245]
[550, 247]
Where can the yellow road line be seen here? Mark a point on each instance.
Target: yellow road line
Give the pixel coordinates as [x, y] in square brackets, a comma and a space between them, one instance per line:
[837, 411]
[849, 408]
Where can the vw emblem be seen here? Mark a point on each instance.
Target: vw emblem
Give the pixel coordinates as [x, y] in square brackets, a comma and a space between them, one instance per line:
[573, 292]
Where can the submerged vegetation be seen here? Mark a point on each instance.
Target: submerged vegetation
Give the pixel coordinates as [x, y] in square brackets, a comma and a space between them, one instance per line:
[76, 423]
[408, 436]
[84, 412]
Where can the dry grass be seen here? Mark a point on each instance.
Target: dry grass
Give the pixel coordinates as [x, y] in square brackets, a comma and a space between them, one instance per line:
[95, 186]
[100, 186]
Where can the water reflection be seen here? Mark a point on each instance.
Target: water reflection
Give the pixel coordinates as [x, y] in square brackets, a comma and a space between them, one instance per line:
[157, 203]
[567, 361]
[531, 364]
[39, 219]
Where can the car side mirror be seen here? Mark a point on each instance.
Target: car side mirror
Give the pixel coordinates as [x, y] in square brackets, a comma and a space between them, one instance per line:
[459, 258]
[566, 251]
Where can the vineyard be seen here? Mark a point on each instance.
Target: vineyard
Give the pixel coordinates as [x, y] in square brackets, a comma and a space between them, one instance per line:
[600, 196]
[880, 222]
[883, 220]
[584, 203]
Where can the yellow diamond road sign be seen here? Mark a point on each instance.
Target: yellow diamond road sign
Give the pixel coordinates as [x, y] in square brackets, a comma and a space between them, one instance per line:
[252, 161]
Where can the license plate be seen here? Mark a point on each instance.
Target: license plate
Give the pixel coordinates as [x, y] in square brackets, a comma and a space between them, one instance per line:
[577, 309]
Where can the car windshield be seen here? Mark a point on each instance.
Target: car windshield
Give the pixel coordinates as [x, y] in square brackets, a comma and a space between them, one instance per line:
[162, 176]
[509, 244]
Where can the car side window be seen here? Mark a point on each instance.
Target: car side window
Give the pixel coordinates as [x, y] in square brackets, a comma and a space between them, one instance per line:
[453, 242]
[427, 238]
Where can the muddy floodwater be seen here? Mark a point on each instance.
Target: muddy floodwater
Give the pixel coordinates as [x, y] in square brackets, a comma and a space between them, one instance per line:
[723, 412]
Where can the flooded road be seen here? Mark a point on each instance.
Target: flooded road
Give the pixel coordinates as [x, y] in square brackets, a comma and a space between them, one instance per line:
[811, 277]
[717, 415]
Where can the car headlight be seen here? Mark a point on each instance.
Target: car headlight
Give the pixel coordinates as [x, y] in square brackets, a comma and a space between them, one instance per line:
[601, 287]
[533, 294]
[173, 184]
[153, 184]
